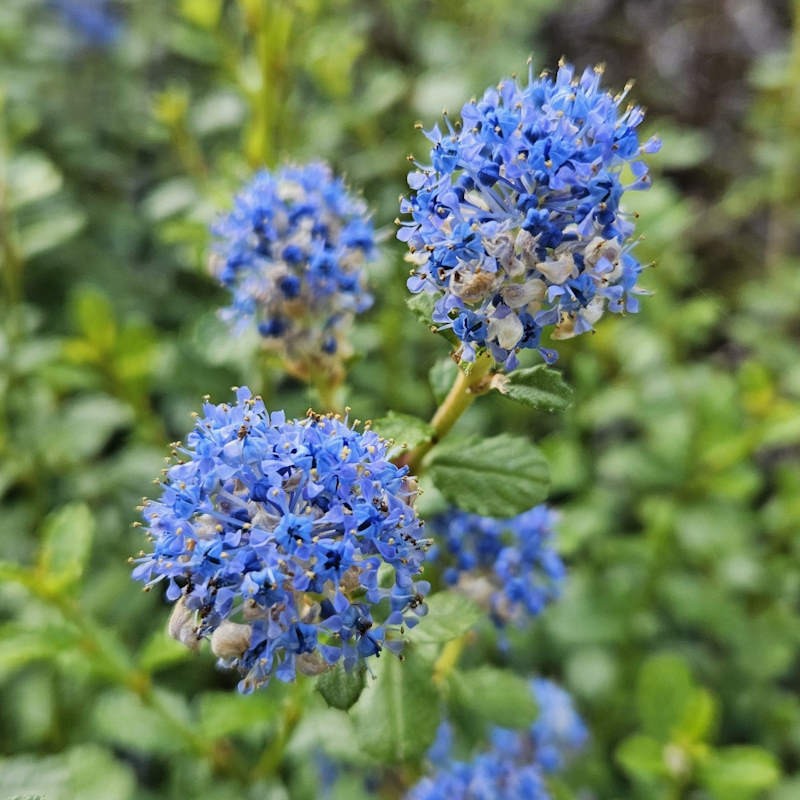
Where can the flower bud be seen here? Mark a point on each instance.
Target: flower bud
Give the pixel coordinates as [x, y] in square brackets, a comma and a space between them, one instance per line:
[230, 640]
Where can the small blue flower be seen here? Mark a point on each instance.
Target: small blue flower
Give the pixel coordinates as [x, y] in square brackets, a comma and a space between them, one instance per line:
[270, 533]
[516, 226]
[292, 252]
[509, 565]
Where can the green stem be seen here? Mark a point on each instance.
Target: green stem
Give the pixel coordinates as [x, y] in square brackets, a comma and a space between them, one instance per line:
[12, 268]
[448, 659]
[329, 394]
[466, 387]
[271, 22]
[273, 755]
[116, 665]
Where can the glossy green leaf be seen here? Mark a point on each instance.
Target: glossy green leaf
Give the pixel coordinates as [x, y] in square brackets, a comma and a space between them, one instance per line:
[449, 616]
[664, 692]
[94, 316]
[66, 542]
[421, 306]
[22, 644]
[497, 477]
[698, 716]
[642, 757]
[538, 387]
[497, 696]
[31, 177]
[407, 431]
[87, 772]
[441, 377]
[162, 651]
[84, 427]
[50, 232]
[397, 715]
[226, 713]
[740, 773]
[121, 718]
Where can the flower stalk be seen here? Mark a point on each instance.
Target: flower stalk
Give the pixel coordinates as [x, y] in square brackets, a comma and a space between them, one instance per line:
[466, 387]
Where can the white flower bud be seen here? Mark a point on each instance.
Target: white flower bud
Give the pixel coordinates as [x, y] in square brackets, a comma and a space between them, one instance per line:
[230, 639]
[601, 248]
[182, 625]
[557, 271]
[595, 309]
[565, 329]
[311, 663]
[518, 295]
[507, 331]
[472, 287]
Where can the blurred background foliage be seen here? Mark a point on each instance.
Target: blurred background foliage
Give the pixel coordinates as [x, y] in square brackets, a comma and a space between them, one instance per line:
[124, 131]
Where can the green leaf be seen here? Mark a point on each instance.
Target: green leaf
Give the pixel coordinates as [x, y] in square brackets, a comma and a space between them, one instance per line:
[497, 477]
[788, 790]
[169, 198]
[341, 688]
[441, 377]
[162, 651]
[642, 757]
[449, 616]
[225, 713]
[495, 695]
[83, 428]
[397, 715]
[739, 773]
[422, 307]
[204, 13]
[406, 430]
[83, 773]
[94, 315]
[698, 716]
[664, 694]
[21, 644]
[121, 718]
[31, 177]
[330, 731]
[94, 774]
[16, 573]
[66, 542]
[538, 387]
[54, 230]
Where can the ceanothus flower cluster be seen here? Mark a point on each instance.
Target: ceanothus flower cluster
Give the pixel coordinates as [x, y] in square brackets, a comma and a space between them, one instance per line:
[488, 776]
[94, 21]
[508, 565]
[517, 762]
[292, 252]
[271, 534]
[516, 225]
[559, 730]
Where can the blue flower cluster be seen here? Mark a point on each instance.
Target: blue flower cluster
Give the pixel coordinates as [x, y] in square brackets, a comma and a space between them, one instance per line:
[93, 20]
[559, 729]
[292, 252]
[488, 776]
[517, 763]
[507, 565]
[270, 534]
[516, 226]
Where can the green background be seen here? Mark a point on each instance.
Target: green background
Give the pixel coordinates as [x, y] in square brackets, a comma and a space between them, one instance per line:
[676, 471]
